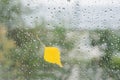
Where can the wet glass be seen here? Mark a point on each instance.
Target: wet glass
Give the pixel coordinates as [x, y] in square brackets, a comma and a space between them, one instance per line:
[59, 40]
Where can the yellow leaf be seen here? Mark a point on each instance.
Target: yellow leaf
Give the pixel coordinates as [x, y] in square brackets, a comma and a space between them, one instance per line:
[52, 55]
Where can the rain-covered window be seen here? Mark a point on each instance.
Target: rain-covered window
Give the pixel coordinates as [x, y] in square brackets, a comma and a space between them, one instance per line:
[59, 39]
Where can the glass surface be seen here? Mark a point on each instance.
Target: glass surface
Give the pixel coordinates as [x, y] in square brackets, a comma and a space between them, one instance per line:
[59, 40]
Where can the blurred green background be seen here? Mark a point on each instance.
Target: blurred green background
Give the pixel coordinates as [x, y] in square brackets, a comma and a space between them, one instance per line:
[21, 49]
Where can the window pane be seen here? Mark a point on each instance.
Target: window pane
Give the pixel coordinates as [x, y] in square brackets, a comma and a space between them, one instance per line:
[59, 40]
